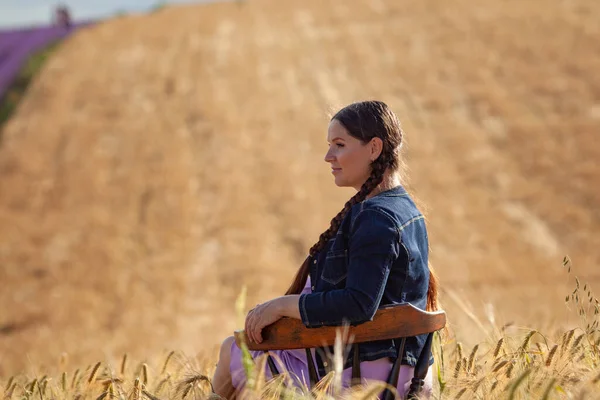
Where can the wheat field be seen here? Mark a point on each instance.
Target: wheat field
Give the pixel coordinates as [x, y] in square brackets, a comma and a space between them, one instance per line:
[518, 365]
[161, 163]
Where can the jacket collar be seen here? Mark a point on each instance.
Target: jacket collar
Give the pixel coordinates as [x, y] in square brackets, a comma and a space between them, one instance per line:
[396, 191]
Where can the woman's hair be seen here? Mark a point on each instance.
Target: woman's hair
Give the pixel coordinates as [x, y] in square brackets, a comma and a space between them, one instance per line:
[364, 121]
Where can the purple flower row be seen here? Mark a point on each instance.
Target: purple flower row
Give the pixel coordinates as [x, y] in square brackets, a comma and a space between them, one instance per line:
[18, 44]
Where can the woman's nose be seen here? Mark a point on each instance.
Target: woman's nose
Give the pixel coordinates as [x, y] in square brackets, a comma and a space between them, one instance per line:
[328, 156]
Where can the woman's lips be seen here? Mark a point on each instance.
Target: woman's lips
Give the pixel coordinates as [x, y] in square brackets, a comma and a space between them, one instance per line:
[334, 170]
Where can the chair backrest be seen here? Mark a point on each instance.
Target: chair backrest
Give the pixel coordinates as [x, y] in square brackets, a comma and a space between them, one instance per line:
[389, 322]
[398, 321]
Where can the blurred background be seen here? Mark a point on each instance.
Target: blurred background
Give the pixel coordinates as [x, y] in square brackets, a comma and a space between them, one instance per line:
[155, 158]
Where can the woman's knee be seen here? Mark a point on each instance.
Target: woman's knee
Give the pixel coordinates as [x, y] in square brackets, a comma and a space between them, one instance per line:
[225, 352]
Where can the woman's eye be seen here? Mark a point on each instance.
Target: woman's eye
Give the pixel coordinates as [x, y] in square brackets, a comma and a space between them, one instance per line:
[339, 145]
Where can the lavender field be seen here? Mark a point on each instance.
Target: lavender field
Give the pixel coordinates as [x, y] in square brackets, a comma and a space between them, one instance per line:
[16, 45]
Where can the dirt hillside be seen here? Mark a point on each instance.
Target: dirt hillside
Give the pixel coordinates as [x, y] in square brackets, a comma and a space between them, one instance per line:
[161, 162]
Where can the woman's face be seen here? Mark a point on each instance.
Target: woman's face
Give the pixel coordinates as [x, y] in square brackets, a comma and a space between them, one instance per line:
[350, 158]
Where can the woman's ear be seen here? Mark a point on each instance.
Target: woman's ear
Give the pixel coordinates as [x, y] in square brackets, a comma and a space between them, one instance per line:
[376, 148]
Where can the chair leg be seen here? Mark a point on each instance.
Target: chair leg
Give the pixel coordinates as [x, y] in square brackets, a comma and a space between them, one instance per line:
[312, 371]
[394, 373]
[420, 370]
[356, 375]
[272, 366]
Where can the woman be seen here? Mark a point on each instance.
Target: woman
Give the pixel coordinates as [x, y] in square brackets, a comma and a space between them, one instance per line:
[374, 253]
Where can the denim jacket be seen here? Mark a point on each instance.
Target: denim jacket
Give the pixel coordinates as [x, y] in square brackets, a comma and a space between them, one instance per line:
[378, 257]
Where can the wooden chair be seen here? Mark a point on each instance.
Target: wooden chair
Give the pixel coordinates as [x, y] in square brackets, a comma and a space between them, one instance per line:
[390, 322]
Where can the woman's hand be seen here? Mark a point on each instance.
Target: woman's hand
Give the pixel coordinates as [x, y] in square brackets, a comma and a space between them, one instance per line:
[260, 316]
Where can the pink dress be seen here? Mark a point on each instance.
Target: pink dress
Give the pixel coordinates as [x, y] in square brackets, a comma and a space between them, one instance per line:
[295, 364]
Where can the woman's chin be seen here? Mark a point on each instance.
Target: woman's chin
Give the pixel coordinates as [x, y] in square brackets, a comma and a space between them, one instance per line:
[340, 182]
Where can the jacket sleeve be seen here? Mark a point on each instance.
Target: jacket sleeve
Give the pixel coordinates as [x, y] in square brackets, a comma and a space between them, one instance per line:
[373, 247]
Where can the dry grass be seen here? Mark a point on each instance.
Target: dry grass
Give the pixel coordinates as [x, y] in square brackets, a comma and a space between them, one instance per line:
[160, 162]
[516, 366]
[527, 363]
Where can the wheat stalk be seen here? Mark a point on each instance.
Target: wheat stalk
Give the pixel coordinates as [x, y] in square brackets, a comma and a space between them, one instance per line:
[149, 395]
[576, 342]
[459, 350]
[123, 364]
[494, 385]
[472, 358]
[10, 381]
[187, 390]
[102, 396]
[457, 368]
[509, 370]
[499, 347]
[551, 355]
[539, 347]
[145, 373]
[10, 390]
[136, 389]
[94, 373]
[164, 368]
[189, 383]
[161, 384]
[566, 340]
[500, 365]
[63, 381]
[525, 345]
[33, 385]
[43, 386]
[74, 380]
[459, 394]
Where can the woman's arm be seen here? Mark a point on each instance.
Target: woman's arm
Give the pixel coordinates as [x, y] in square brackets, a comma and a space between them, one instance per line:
[266, 313]
[374, 245]
[288, 306]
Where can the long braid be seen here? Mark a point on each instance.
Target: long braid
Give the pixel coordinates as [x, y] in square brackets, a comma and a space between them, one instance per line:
[377, 170]
[371, 183]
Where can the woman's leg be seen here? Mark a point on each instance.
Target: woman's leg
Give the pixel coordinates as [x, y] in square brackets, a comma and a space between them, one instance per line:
[221, 380]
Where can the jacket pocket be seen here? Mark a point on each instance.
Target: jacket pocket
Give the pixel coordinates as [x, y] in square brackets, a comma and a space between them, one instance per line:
[335, 269]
